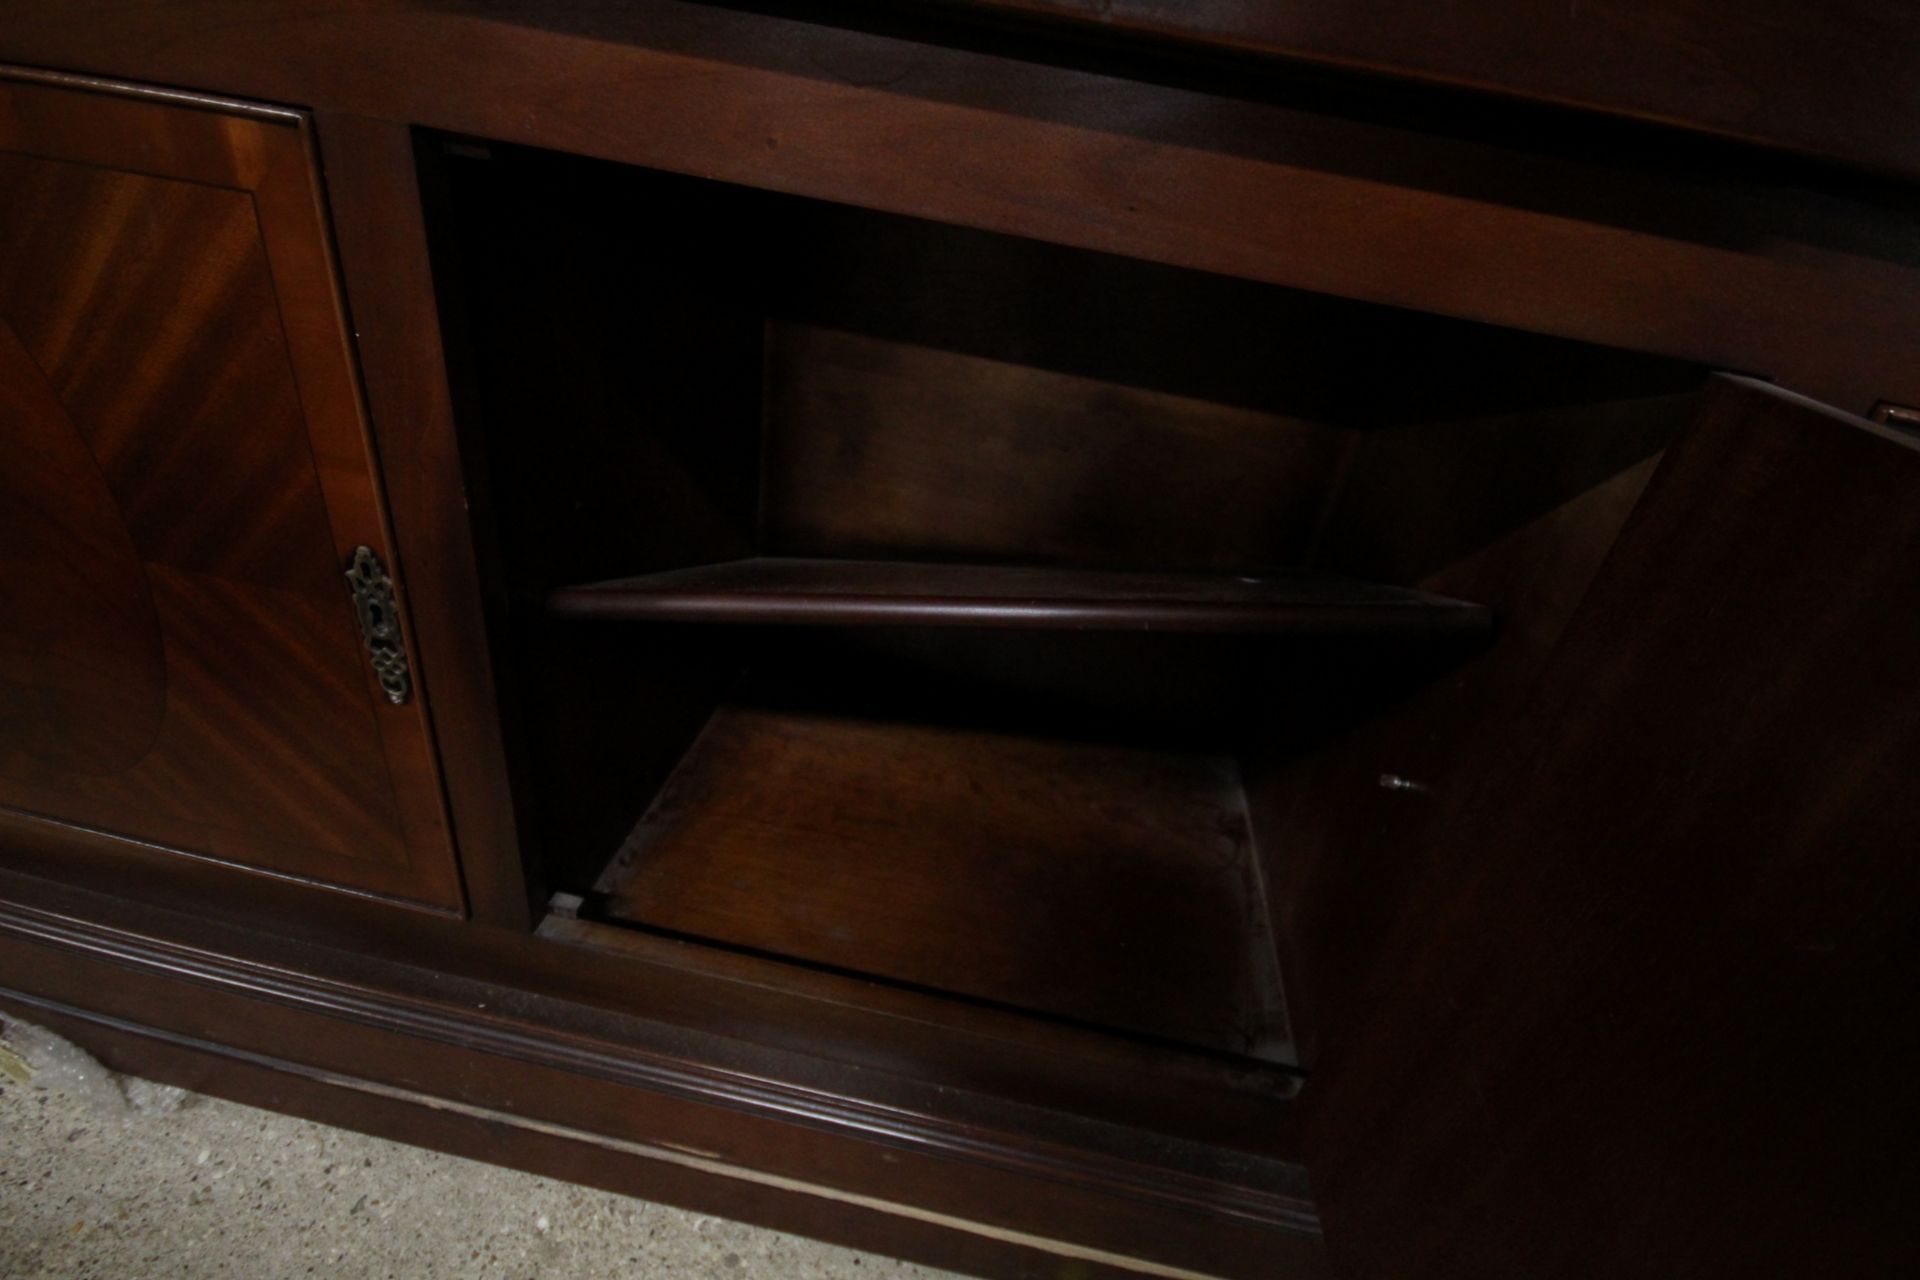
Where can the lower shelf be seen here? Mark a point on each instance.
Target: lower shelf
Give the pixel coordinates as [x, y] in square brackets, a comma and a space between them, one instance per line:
[1104, 885]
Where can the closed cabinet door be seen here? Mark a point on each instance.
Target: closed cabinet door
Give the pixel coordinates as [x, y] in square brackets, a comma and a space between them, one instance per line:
[187, 481]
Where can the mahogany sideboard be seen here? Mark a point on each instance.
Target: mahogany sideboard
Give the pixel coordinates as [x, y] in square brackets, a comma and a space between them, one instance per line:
[1130, 640]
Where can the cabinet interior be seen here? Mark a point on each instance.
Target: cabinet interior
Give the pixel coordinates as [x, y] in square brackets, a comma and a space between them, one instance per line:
[998, 626]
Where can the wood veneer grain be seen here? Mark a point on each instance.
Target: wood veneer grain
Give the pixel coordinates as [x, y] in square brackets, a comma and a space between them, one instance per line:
[1668, 943]
[169, 321]
[1111, 885]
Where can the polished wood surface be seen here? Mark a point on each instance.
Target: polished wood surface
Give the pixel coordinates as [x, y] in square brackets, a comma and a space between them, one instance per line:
[660, 1175]
[1109, 885]
[1772, 73]
[1039, 435]
[196, 477]
[1597, 938]
[929, 806]
[1653, 1013]
[1224, 1102]
[1655, 247]
[894, 592]
[434, 1029]
[1514, 509]
[885, 1045]
[374, 197]
[74, 595]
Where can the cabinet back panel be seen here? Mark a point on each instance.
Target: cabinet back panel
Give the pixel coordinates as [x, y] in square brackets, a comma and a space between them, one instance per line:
[879, 447]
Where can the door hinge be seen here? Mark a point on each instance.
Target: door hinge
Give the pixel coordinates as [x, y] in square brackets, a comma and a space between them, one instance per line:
[379, 615]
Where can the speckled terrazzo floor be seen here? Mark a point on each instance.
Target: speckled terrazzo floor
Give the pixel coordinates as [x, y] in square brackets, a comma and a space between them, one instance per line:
[217, 1189]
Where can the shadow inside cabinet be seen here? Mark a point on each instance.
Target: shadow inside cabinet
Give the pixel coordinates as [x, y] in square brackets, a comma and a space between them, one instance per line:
[995, 633]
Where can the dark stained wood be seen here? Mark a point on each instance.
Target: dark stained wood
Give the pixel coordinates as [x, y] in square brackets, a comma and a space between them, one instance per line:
[1601, 994]
[73, 594]
[1232, 1103]
[175, 364]
[1771, 73]
[881, 1043]
[876, 446]
[660, 1175]
[1655, 1011]
[1517, 510]
[374, 197]
[1657, 253]
[320, 1012]
[893, 593]
[1110, 885]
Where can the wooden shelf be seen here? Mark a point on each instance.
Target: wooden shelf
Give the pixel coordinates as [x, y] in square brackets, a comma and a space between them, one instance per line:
[895, 593]
[1109, 886]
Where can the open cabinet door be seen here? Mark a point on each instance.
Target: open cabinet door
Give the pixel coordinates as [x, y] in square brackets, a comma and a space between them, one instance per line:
[1655, 1012]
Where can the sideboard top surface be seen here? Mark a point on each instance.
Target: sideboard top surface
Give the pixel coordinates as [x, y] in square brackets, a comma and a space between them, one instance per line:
[1779, 73]
[1658, 239]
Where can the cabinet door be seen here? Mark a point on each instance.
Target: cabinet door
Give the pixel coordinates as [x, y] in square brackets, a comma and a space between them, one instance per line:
[1657, 1013]
[187, 477]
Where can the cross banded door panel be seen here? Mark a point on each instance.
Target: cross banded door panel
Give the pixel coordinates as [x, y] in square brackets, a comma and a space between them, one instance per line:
[188, 476]
[1655, 1015]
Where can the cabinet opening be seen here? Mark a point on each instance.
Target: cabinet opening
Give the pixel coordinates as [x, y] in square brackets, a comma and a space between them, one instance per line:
[1002, 627]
